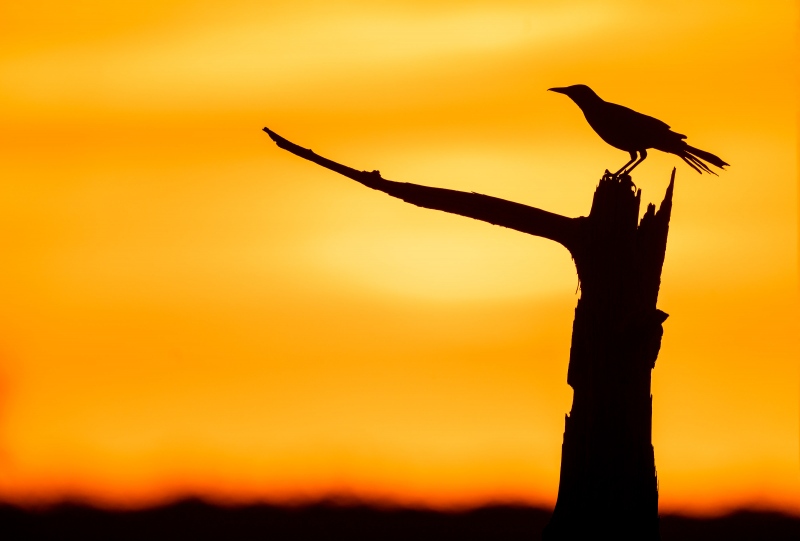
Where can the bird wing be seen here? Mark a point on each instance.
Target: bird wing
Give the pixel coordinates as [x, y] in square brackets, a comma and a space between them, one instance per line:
[638, 121]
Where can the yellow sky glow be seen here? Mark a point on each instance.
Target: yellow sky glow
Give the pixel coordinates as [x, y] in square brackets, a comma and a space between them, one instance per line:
[187, 309]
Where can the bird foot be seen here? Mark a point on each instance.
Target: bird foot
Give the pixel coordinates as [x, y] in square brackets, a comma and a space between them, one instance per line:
[620, 176]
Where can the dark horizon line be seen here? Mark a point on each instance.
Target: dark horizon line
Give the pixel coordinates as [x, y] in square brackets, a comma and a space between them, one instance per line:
[329, 519]
[337, 501]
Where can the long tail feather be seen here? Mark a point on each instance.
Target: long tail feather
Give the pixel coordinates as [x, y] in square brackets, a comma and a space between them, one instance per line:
[693, 166]
[694, 157]
[707, 156]
[695, 163]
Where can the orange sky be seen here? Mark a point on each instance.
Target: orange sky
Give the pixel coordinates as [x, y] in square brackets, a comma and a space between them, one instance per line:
[186, 309]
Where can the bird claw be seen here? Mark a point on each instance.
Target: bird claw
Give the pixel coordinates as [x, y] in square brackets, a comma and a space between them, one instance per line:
[620, 176]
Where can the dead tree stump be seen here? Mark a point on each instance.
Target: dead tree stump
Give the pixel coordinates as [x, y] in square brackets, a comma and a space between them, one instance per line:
[608, 487]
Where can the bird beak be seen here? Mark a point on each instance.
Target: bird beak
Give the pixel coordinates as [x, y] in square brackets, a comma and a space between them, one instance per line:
[558, 89]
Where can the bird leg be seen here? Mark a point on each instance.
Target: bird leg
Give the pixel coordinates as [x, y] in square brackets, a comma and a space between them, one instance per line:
[634, 157]
[643, 155]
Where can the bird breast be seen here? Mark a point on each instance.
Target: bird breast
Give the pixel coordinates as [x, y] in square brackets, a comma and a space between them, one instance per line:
[614, 132]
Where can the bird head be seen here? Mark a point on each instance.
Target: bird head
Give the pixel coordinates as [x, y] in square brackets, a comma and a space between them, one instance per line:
[580, 94]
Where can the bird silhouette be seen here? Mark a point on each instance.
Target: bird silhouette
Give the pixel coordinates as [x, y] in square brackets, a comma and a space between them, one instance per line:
[634, 132]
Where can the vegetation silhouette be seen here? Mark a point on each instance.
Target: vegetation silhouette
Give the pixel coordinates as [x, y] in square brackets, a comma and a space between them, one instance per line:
[329, 520]
[634, 132]
[608, 486]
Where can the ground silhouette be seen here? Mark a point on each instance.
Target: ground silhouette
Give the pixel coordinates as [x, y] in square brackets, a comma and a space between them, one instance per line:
[200, 521]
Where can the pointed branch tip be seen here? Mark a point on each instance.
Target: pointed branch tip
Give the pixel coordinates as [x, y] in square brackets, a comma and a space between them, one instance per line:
[272, 135]
[671, 186]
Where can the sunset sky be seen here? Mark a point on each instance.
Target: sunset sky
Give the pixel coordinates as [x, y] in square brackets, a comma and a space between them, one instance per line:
[186, 309]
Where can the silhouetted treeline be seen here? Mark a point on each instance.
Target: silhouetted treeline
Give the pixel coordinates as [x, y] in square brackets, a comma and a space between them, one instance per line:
[196, 520]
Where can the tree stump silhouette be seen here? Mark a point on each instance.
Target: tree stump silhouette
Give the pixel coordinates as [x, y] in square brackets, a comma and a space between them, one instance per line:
[608, 487]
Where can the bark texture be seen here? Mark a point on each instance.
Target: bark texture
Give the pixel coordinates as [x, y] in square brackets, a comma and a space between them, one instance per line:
[608, 487]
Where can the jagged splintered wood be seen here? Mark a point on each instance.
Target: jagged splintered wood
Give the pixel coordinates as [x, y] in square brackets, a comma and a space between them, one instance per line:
[608, 487]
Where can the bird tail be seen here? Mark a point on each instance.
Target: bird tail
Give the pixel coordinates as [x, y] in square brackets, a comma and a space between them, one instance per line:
[694, 156]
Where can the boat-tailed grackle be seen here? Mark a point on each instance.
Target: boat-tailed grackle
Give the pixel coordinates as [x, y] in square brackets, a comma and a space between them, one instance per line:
[634, 132]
